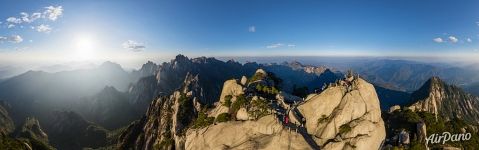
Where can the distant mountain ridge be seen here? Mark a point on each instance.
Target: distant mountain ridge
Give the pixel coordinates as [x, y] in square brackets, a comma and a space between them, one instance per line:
[409, 76]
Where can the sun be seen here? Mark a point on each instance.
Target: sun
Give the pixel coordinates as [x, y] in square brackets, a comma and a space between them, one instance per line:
[84, 46]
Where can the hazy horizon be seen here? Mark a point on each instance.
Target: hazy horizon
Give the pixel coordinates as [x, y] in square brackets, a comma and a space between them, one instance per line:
[56, 32]
[329, 61]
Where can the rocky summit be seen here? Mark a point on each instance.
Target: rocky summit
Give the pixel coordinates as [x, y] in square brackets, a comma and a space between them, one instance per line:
[252, 113]
[447, 101]
[346, 115]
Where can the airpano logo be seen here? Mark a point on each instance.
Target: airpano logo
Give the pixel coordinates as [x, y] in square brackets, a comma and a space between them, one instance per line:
[446, 136]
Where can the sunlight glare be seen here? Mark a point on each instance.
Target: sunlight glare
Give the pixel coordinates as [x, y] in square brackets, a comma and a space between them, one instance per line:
[84, 47]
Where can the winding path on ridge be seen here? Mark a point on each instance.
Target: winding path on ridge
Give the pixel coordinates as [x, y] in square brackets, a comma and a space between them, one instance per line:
[301, 129]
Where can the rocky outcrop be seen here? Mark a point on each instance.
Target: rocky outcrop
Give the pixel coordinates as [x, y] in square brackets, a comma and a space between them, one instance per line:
[6, 123]
[166, 120]
[265, 133]
[31, 129]
[147, 69]
[448, 101]
[244, 80]
[394, 108]
[231, 89]
[345, 116]
[242, 114]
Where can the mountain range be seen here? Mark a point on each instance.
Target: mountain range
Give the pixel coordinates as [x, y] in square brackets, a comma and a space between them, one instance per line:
[168, 105]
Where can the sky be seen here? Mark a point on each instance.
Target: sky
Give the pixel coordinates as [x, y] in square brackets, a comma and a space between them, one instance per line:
[43, 31]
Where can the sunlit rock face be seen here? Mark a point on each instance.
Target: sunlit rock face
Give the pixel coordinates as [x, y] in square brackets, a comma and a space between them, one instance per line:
[345, 116]
[265, 133]
[342, 117]
[230, 88]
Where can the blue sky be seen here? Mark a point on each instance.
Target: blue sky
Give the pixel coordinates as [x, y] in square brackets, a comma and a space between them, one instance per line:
[114, 29]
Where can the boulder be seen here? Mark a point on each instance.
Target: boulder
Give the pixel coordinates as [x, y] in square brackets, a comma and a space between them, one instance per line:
[244, 80]
[261, 71]
[231, 87]
[242, 114]
[349, 115]
[394, 108]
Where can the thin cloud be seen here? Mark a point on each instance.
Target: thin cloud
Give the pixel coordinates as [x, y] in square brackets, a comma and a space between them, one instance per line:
[14, 20]
[252, 29]
[276, 45]
[438, 40]
[11, 39]
[291, 45]
[43, 28]
[133, 45]
[52, 12]
[469, 40]
[30, 18]
[35, 16]
[453, 39]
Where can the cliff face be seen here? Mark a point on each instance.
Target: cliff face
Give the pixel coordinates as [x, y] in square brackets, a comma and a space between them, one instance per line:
[170, 76]
[345, 116]
[31, 129]
[6, 123]
[166, 120]
[449, 101]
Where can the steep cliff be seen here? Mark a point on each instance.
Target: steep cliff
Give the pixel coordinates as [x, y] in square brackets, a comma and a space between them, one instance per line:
[6, 123]
[448, 101]
[167, 118]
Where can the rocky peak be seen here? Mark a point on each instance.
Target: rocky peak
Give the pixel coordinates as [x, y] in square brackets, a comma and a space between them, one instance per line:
[108, 65]
[261, 71]
[345, 115]
[448, 101]
[295, 65]
[148, 69]
[180, 60]
[109, 89]
[31, 129]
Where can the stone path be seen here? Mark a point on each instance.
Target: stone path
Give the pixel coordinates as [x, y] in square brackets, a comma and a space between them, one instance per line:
[301, 129]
